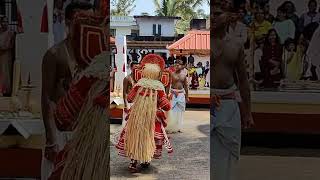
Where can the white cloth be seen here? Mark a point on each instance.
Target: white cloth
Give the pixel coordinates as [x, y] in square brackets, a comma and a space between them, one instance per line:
[176, 114]
[239, 33]
[258, 53]
[285, 29]
[313, 51]
[225, 139]
[306, 19]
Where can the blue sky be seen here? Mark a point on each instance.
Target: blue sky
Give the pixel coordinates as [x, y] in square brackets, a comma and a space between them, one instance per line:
[148, 6]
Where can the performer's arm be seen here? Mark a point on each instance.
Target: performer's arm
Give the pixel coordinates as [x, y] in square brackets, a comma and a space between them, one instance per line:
[164, 103]
[186, 88]
[48, 88]
[125, 90]
[245, 105]
[132, 94]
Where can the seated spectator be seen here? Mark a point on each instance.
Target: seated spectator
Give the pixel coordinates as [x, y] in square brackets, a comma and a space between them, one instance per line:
[285, 27]
[237, 30]
[312, 16]
[260, 25]
[267, 15]
[271, 60]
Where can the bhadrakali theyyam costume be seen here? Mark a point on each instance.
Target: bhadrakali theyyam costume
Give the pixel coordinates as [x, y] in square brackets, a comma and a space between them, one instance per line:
[83, 110]
[225, 132]
[144, 135]
[176, 114]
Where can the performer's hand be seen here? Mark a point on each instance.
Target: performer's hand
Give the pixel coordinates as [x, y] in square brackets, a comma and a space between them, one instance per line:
[187, 99]
[51, 152]
[247, 121]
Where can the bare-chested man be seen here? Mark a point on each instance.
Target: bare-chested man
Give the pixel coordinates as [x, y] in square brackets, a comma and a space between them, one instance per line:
[58, 68]
[128, 83]
[179, 97]
[228, 67]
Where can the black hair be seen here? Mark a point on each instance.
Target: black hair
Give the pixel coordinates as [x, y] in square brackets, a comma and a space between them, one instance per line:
[281, 9]
[134, 63]
[289, 2]
[72, 7]
[267, 37]
[312, 1]
[184, 60]
[289, 41]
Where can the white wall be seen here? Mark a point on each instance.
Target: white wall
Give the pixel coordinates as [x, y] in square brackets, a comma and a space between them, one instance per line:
[146, 26]
[122, 31]
[203, 59]
[31, 45]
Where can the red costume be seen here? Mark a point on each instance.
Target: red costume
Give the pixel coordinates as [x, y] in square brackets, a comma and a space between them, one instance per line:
[162, 105]
[69, 107]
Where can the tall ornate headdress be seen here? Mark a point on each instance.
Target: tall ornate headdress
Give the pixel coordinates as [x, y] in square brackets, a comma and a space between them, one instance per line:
[153, 59]
[89, 38]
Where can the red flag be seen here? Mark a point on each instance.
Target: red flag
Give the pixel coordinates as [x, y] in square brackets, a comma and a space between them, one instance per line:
[44, 20]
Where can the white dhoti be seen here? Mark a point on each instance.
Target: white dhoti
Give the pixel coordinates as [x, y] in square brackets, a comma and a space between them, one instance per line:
[46, 165]
[176, 114]
[225, 136]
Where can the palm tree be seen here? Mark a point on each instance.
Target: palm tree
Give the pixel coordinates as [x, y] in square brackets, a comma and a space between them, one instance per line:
[186, 9]
[122, 7]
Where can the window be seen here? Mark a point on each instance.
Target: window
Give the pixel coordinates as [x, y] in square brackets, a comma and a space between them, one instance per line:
[113, 32]
[154, 29]
[159, 29]
[134, 32]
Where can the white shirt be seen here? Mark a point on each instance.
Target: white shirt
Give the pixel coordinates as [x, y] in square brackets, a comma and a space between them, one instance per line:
[308, 19]
[239, 33]
[257, 59]
[285, 29]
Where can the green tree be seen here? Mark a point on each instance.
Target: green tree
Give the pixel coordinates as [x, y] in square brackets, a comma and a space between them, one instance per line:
[122, 7]
[186, 9]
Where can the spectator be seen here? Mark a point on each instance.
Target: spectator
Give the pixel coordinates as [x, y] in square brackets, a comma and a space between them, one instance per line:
[285, 27]
[244, 17]
[267, 15]
[293, 60]
[6, 58]
[258, 53]
[312, 16]
[260, 25]
[271, 60]
[290, 10]
[237, 30]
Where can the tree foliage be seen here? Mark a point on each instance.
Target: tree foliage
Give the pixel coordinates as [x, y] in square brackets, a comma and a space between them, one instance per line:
[186, 9]
[122, 7]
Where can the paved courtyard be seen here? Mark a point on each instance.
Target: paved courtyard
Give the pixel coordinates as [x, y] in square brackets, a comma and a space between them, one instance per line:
[190, 160]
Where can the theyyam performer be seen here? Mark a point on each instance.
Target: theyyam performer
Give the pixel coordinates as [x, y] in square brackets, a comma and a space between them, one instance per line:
[82, 109]
[144, 134]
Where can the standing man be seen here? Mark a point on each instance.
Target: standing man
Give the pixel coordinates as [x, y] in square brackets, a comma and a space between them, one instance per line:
[179, 95]
[59, 67]
[228, 67]
[6, 58]
[128, 83]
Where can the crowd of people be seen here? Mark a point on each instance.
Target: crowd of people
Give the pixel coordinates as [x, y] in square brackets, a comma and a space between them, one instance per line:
[198, 73]
[277, 45]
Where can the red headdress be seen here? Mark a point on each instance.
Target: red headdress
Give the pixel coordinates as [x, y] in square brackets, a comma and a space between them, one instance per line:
[89, 36]
[153, 59]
